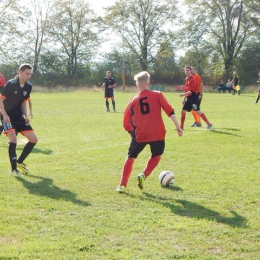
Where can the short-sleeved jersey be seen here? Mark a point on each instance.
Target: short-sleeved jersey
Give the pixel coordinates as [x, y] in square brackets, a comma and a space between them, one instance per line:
[236, 80]
[109, 92]
[144, 114]
[13, 96]
[198, 82]
[2, 82]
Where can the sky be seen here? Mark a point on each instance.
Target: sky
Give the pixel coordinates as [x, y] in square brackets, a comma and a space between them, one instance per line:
[98, 5]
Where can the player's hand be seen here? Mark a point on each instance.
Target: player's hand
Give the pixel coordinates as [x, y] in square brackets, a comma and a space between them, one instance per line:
[27, 121]
[31, 115]
[179, 131]
[6, 119]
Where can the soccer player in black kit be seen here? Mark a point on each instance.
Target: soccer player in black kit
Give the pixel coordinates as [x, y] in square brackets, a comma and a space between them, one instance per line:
[109, 84]
[15, 118]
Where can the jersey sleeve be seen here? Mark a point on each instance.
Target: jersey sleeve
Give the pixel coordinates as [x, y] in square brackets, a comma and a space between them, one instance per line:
[5, 90]
[167, 108]
[127, 122]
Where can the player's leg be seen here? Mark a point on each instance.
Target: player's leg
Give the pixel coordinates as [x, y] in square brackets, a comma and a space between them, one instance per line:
[32, 140]
[12, 150]
[133, 151]
[114, 104]
[258, 97]
[203, 116]
[157, 149]
[183, 117]
[107, 105]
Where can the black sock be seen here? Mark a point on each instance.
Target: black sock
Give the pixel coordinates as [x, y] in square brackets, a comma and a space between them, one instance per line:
[12, 155]
[107, 105]
[257, 99]
[114, 104]
[26, 151]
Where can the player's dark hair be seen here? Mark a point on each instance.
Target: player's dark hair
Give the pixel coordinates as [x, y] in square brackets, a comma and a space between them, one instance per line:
[188, 67]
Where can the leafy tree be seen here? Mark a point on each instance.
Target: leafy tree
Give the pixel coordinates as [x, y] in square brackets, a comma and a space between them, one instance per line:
[143, 25]
[73, 28]
[225, 24]
[10, 17]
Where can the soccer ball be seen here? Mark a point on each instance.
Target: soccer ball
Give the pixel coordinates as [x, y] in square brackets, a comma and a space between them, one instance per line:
[166, 178]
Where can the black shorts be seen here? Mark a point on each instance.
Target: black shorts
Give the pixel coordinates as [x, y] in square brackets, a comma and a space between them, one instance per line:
[156, 147]
[18, 128]
[189, 105]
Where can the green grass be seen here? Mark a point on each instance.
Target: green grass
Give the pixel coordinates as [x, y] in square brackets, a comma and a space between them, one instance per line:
[67, 208]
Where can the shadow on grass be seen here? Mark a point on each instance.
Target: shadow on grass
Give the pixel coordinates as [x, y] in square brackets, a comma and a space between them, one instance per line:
[225, 132]
[46, 188]
[193, 210]
[36, 150]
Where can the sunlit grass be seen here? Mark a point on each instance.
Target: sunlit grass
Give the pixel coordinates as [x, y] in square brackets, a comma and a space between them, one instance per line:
[67, 208]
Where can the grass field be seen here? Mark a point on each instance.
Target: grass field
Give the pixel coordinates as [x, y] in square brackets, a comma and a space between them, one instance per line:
[67, 208]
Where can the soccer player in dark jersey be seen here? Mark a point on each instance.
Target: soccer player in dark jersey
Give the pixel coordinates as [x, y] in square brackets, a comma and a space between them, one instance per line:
[258, 83]
[191, 99]
[15, 118]
[109, 84]
[143, 120]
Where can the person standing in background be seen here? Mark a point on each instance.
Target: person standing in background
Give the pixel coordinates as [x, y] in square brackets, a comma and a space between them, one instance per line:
[199, 87]
[235, 82]
[258, 83]
[109, 84]
[190, 101]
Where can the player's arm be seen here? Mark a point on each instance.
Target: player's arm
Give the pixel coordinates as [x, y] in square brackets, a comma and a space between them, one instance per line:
[24, 109]
[2, 109]
[30, 108]
[174, 120]
[113, 85]
[186, 94]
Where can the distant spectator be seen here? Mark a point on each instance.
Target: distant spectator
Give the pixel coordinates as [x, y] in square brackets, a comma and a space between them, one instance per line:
[229, 86]
[221, 87]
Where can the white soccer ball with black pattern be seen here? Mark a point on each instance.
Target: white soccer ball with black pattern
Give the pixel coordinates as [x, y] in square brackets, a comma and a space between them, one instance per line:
[166, 178]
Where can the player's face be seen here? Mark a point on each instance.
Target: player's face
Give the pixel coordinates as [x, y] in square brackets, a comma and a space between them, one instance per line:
[25, 75]
[188, 72]
[109, 74]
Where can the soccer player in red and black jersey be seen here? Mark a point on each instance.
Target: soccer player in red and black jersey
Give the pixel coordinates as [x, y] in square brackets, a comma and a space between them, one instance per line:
[15, 118]
[2, 83]
[190, 101]
[143, 120]
[109, 84]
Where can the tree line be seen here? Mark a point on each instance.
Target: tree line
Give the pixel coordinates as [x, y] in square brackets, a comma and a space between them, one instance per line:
[61, 39]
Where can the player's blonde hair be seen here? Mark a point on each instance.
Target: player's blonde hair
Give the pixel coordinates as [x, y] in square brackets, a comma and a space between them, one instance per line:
[142, 78]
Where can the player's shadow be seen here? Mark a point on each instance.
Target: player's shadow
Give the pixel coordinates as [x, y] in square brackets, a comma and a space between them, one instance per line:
[193, 210]
[37, 150]
[45, 187]
[225, 132]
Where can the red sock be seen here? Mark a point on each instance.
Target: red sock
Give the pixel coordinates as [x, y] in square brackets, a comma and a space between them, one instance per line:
[204, 118]
[127, 169]
[183, 116]
[151, 164]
